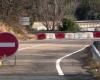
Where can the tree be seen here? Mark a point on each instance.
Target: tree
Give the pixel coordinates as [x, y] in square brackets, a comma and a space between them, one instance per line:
[54, 10]
[88, 10]
[51, 12]
[82, 10]
[9, 10]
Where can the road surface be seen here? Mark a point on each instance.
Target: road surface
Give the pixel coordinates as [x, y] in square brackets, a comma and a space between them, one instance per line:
[37, 60]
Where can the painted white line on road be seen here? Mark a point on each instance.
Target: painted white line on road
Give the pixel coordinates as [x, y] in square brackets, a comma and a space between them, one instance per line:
[29, 47]
[7, 44]
[60, 72]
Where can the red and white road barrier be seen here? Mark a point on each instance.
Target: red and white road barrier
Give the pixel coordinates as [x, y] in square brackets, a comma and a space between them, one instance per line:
[50, 36]
[60, 35]
[96, 34]
[41, 36]
[79, 35]
[69, 35]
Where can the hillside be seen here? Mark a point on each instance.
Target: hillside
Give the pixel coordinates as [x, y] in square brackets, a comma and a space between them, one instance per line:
[19, 31]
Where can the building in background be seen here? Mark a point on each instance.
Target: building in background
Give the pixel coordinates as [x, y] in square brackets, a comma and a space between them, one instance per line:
[38, 26]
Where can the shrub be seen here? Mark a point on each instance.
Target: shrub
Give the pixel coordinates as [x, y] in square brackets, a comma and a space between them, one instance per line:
[69, 25]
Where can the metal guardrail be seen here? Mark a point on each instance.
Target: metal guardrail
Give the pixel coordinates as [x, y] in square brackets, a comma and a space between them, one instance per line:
[95, 51]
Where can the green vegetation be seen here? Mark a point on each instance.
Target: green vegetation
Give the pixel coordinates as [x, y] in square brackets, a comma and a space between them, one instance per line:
[69, 25]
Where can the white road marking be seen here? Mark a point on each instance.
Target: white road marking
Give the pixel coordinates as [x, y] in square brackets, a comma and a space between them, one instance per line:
[29, 47]
[60, 72]
[7, 44]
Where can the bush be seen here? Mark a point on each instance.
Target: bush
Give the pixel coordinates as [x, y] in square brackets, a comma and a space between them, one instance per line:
[98, 16]
[68, 25]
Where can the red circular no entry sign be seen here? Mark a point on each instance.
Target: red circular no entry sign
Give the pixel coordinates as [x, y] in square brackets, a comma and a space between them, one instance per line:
[8, 44]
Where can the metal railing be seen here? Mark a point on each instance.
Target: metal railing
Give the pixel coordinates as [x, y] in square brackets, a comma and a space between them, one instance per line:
[95, 50]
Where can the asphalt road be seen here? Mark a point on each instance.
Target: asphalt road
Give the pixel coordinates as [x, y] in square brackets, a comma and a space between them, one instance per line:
[36, 60]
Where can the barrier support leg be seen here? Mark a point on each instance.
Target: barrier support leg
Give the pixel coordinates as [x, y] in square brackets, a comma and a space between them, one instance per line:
[1, 62]
[15, 60]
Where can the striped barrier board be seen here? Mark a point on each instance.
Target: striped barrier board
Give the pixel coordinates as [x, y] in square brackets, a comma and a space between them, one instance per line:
[50, 36]
[69, 35]
[79, 35]
[96, 34]
[60, 35]
[41, 36]
[90, 35]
